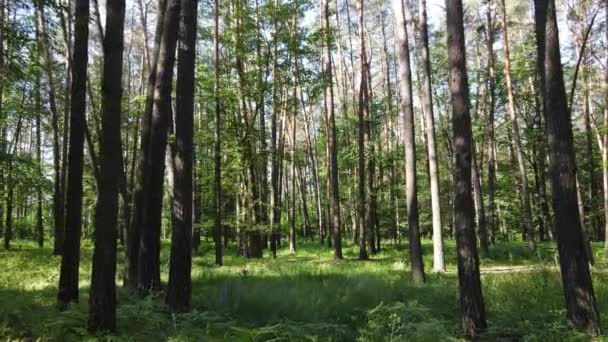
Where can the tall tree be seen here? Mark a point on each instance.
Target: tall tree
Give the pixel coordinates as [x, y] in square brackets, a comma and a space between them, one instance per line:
[517, 144]
[331, 134]
[180, 281]
[142, 182]
[44, 46]
[102, 300]
[429, 118]
[491, 221]
[154, 170]
[407, 110]
[362, 114]
[70, 261]
[581, 308]
[217, 185]
[471, 298]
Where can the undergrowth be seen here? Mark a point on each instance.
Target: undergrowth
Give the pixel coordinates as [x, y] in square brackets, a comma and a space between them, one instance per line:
[306, 297]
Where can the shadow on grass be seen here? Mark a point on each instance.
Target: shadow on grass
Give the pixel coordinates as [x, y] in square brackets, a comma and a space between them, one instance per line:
[302, 295]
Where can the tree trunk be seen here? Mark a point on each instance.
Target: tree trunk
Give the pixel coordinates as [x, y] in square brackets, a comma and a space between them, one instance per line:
[39, 221]
[142, 183]
[578, 289]
[427, 97]
[154, 166]
[180, 283]
[57, 193]
[363, 112]
[331, 135]
[217, 156]
[70, 261]
[102, 300]
[406, 104]
[518, 147]
[471, 298]
[491, 221]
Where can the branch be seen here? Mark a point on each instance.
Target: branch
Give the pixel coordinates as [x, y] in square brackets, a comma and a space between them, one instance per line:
[580, 58]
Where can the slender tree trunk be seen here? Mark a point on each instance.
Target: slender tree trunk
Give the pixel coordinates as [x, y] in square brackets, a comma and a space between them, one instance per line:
[70, 261]
[491, 221]
[331, 135]
[605, 143]
[292, 185]
[57, 193]
[518, 147]
[427, 97]
[406, 104]
[154, 168]
[142, 180]
[471, 298]
[39, 221]
[362, 114]
[180, 283]
[217, 185]
[102, 300]
[578, 289]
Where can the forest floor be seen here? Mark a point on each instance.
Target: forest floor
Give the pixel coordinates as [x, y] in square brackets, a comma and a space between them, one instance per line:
[306, 297]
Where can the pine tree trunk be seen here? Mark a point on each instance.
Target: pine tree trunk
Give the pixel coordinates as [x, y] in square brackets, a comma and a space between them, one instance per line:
[427, 97]
[102, 300]
[578, 289]
[491, 221]
[517, 144]
[141, 179]
[180, 283]
[406, 106]
[70, 261]
[154, 168]
[471, 298]
[331, 135]
[362, 114]
[217, 185]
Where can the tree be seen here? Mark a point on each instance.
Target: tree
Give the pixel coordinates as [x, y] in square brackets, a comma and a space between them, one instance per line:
[407, 109]
[70, 261]
[581, 309]
[154, 169]
[142, 182]
[469, 284]
[362, 114]
[491, 221]
[180, 282]
[517, 144]
[331, 134]
[102, 300]
[43, 44]
[427, 98]
[217, 228]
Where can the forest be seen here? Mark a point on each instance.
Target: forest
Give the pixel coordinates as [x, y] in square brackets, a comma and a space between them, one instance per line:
[303, 170]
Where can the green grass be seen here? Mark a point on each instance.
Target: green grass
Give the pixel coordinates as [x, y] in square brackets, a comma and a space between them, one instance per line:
[303, 297]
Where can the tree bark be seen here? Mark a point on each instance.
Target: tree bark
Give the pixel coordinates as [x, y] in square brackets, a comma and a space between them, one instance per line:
[102, 300]
[517, 144]
[427, 98]
[70, 261]
[363, 112]
[407, 110]
[154, 167]
[179, 290]
[581, 308]
[44, 43]
[491, 221]
[331, 135]
[142, 182]
[471, 298]
[217, 185]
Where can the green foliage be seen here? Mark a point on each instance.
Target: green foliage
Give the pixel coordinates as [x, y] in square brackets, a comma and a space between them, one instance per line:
[308, 297]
